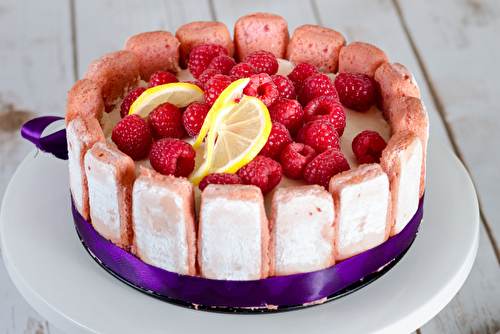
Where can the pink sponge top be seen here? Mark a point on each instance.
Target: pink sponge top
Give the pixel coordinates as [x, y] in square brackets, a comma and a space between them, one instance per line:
[117, 73]
[84, 98]
[261, 31]
[392, 80]
[156, 51]
[361, 57]
[201, 32]
[316, 45]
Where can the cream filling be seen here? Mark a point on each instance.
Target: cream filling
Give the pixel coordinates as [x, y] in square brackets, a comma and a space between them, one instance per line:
[357, 122]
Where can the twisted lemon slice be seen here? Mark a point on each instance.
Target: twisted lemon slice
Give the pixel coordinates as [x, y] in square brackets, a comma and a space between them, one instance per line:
[236, 134]
[180, 94]
[231, 93]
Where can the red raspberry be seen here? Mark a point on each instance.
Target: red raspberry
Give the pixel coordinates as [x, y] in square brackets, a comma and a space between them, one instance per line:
[315, 86]
[262, 87]
[326, 108]
[278, 139]
[193, 117]
[242, 70]
[368, 146]
[322, 168]
[289, 113]
[196, 83]
[161, 78]
[285, 86]
[294, 159]
[300, 73]
[201, 56]
[214, 87]
[166, 121]
[262, 61]
[262, 172]
[132, 136]
[129, 100]
[208, 74]
[223, 64]
[219, 178]
[172, 156]
[320, 135]
[356, 90]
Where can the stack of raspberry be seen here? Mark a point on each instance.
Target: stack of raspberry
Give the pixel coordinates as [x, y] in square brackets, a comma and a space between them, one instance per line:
[306, 108]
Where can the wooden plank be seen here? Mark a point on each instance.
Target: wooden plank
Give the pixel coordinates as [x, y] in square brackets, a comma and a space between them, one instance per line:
[182, 12]
[461, 39]
[295, 12]
[104, 26]
[36, 72]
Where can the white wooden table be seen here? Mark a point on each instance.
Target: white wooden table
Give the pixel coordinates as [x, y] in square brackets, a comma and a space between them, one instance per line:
[451, 46]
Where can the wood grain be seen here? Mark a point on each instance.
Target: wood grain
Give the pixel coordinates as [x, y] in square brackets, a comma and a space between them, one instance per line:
[460, 43]
[36, 71]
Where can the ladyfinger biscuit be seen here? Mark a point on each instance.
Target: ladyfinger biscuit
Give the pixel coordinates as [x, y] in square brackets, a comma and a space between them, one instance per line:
[156, 51]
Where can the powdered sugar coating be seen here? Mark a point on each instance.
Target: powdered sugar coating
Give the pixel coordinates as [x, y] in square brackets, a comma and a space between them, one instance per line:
[81, 133]
[402, 161]
[361, 198]
[110, 175]
[164, 224]
[232, 234]
[302, 231]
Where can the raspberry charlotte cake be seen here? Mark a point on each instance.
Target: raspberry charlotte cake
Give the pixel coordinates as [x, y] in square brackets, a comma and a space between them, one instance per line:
[333, 161]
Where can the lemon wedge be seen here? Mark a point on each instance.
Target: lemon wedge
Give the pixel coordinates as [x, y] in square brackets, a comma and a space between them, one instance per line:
[180, 94]
[231, 93]
[237, 132]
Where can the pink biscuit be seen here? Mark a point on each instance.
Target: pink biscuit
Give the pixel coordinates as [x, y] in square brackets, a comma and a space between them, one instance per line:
[110, 176]
[392, 80]
[81, 133]
[261, 31]
[402, 161]
[233, 233]
[409, 113]
[316, 45]
[201, 32]
[156, 51]
[302, 234]
[362, 203]
[84, 98]
[165, 234]
[117, 73]
[362, 58]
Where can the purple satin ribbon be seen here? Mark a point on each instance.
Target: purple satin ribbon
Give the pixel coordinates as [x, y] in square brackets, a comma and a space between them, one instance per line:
[54, 143]
[285, 290]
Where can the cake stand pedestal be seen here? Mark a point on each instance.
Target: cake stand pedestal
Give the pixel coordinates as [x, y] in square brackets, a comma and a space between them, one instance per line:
[59, 279]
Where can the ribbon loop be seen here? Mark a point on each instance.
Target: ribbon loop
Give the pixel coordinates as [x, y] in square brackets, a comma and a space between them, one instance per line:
[54, 143]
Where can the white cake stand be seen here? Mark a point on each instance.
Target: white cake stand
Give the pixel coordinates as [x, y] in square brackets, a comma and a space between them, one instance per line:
[55, 274]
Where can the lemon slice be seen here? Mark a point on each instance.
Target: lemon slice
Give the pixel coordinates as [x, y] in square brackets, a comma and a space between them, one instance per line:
[237, 133]
[231, 93]
[180, 94]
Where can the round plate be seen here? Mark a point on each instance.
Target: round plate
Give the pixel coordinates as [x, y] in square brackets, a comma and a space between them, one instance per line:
[54, 273]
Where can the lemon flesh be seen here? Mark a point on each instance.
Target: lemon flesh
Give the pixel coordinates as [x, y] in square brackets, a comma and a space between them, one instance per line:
[231, 93]
[237, 132]
[180, 94]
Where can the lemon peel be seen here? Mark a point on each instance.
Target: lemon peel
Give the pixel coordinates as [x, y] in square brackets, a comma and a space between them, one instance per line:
[180, 94]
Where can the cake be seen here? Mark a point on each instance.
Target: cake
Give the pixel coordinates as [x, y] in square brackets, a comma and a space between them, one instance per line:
[336, 198]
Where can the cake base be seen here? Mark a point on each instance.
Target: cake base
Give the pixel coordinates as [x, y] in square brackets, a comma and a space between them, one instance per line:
[255, 310]
[273, 294]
